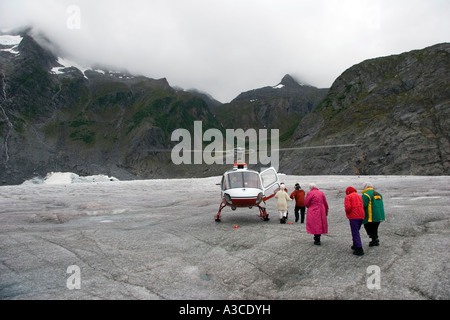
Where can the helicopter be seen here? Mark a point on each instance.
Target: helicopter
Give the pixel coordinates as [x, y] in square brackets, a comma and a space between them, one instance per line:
[244, 188]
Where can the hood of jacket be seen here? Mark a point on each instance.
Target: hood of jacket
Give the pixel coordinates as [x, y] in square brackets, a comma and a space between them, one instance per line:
[350, 190]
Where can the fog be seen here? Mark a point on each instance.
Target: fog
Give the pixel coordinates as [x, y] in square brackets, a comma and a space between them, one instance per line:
[227, 47]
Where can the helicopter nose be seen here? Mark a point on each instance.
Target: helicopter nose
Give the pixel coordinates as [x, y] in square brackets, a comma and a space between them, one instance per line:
[228, 198]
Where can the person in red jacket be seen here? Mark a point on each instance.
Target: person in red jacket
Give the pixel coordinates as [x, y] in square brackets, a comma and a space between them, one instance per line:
[299, 195]
[354, 209]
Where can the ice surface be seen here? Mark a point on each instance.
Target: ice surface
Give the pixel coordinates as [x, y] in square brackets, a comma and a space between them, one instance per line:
[157, 239]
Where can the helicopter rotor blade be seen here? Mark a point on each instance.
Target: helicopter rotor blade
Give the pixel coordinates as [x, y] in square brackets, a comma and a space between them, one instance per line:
[318, 147]
[305, 148]
[250, 151]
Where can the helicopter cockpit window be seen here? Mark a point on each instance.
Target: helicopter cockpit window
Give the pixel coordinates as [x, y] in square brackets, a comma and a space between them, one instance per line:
[244, 180]
[224, 183]
[251, 180]
[235, 180]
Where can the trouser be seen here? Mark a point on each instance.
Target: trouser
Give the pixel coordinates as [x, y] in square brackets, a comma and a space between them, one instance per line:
[302, 212]
[372, 229]
[283, 214]
[355, 225]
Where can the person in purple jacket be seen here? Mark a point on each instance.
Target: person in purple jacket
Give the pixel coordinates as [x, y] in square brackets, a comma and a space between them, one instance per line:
[316, 216]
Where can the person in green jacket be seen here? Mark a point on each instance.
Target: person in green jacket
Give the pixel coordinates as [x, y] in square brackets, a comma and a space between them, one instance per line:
[374, 212]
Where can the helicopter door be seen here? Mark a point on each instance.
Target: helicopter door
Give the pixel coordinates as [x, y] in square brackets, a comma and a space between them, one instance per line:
[270, 181]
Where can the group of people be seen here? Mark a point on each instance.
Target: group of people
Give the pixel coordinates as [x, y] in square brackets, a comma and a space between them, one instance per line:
[361, 209]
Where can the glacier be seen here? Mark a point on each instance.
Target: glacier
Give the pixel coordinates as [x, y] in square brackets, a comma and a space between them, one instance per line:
[157, 239]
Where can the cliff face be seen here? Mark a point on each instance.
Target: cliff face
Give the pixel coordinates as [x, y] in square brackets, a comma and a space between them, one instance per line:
[395, 111]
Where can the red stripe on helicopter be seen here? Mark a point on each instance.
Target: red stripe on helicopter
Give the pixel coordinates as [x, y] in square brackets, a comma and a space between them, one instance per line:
[244, 202]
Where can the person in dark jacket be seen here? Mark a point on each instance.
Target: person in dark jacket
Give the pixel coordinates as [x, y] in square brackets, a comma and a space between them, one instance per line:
[354, 209]
[299, 195]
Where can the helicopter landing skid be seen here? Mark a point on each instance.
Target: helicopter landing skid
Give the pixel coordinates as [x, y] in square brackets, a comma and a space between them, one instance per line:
[262, 212]
[223, 204]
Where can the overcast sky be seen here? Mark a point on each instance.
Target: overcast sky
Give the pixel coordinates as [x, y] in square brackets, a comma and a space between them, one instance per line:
[225, 47]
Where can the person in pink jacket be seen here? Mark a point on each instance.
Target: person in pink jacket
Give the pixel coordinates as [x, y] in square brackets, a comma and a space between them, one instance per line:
[354, 209]
[316, 216]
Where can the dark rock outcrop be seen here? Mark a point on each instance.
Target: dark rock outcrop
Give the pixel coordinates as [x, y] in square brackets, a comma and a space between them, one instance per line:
[395, 110]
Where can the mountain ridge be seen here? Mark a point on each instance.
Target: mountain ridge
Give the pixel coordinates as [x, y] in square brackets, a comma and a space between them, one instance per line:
[271, 107]
[391, 113]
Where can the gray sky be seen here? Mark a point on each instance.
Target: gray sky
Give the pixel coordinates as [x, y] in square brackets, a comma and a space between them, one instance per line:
[225, 47]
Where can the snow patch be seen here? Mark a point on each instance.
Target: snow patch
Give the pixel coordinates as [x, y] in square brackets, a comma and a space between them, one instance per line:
[12, 42]
[69, 178]
[66, 63]
[279, 86]
[11, 50]
[7, 40]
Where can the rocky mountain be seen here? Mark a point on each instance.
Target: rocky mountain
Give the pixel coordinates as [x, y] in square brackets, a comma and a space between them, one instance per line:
[395, 112]
[272, 107]
[56, 117]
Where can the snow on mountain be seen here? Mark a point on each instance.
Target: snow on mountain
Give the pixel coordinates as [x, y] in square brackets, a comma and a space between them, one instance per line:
[66, 63]
[10, 41]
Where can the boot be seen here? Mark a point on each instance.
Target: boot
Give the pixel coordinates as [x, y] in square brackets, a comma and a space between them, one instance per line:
[317, 240]
[374, 243]
[358, 252]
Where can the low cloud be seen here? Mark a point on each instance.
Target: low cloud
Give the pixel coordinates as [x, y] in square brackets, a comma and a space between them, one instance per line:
[225, 47]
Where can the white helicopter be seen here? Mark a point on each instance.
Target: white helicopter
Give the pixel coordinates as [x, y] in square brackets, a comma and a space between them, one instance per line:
[243, 188]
